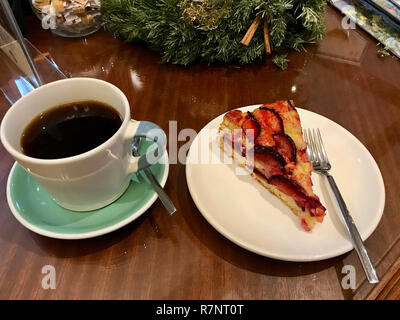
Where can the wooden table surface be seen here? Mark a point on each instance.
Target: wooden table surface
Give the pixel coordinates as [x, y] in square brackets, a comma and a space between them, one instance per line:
[183, 257]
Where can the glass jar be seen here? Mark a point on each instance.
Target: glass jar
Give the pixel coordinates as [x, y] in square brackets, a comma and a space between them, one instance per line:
[69, 18]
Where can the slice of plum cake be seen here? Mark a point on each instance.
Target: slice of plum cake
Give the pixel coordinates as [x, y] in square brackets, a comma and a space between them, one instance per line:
[269, 142]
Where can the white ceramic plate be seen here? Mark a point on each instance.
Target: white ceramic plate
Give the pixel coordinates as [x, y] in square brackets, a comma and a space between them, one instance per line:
[248, 215]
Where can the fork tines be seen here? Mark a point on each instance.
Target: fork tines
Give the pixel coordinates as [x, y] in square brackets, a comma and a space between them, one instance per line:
[316, 150]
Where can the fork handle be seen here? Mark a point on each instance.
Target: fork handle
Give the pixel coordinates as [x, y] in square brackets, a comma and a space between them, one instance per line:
[354, 234]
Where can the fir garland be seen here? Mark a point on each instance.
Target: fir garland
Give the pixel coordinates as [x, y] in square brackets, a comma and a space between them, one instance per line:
[184, 31]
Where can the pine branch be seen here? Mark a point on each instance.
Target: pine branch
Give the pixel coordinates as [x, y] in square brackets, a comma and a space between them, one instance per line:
[159, 23]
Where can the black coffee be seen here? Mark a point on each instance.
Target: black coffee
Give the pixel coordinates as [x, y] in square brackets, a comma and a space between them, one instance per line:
[69, 130]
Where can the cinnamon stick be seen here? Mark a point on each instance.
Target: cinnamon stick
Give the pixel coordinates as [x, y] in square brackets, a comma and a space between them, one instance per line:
[266, 37]
[250, 32]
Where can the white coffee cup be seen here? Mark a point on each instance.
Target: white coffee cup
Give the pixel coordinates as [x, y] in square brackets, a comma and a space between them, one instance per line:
[93, 179]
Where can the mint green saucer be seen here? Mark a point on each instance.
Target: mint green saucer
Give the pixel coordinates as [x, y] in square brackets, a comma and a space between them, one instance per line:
[35, 209]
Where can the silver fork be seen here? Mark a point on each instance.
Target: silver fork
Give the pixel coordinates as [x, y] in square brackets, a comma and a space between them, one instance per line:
[319, 159]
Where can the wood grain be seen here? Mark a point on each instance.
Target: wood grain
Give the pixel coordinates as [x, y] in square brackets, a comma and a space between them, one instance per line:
[183, 257]
[389, 286]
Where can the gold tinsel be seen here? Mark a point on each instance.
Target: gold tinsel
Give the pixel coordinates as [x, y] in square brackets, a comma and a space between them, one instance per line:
[206, 14]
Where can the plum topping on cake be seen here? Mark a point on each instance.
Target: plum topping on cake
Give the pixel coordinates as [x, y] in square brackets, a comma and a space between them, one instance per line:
[285, 146]
[269, 118]
[251, 126]
[268, 161]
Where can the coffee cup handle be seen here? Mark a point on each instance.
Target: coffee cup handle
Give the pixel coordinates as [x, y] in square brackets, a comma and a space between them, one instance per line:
[149, 130]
